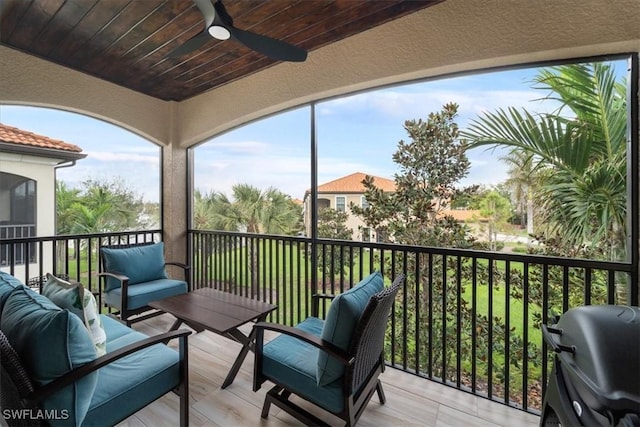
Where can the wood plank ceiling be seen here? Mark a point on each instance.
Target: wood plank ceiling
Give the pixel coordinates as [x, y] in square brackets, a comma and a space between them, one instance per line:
[127, 42]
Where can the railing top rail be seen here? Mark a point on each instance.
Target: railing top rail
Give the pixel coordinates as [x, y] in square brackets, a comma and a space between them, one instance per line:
[62, 237]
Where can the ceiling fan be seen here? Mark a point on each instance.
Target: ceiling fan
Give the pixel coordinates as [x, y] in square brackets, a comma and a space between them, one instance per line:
[219, 25]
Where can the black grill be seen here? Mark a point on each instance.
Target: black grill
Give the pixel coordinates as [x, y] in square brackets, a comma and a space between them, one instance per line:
[595, 379]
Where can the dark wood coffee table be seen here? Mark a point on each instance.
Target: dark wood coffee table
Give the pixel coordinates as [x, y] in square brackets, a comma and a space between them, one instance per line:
[219, 312]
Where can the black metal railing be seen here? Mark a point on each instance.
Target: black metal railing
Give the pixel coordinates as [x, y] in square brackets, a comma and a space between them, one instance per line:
[72, 256]
[468, 319]
[19, 254]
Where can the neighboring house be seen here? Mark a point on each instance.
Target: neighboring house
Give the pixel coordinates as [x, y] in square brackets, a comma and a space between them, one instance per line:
[339, 194]
[28, 165]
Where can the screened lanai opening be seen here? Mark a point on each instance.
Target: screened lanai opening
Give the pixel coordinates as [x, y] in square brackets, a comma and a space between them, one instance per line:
[504, 196]
[499, 174]
[114, 189]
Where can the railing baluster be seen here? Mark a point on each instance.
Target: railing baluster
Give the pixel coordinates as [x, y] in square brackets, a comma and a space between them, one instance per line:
[507, 327]
[490, 332]
[525, 337]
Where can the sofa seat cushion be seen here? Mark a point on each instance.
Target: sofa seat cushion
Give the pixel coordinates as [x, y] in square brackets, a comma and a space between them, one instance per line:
[141, 294]
[118, 334]
[113, 329]
[343, 316]
[7, 284]
[293, 362]
[129, 384]
[139, 263]
[50, 342]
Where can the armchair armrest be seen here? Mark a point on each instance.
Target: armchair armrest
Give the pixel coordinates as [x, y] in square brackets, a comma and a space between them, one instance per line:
[315, 302]
[124, 286]
[81, 371]
[325, 296]
[186, 268]
[117, 276]
[341, 355]
[178, 264]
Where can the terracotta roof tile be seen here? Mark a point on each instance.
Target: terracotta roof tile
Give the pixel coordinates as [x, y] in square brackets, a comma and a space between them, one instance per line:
[463, 215]
[353, 184]
[12, 135]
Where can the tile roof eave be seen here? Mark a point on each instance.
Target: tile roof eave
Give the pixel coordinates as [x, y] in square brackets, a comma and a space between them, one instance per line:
[53, 153]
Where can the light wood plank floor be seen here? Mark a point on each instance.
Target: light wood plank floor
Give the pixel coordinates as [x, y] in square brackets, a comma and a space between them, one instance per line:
[411, 401]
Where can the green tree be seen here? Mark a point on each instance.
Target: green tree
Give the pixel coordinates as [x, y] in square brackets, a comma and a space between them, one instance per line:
[496, 210]
[430, 166]
[332, 224]
[249, 210]
[582, 149]
[434, 312]
[100, 206]
[66, 198]
[522, 180]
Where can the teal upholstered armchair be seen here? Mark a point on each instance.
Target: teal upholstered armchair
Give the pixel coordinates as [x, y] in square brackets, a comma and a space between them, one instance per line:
[134, 275]
[335, 363]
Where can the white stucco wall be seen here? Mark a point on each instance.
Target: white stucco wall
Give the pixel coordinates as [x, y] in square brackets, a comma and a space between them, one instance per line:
[42, 171]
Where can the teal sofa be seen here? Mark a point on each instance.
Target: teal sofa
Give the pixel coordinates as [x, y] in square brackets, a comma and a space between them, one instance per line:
[51, 373]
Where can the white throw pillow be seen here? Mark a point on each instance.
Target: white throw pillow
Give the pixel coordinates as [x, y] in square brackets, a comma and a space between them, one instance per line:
[82, 303]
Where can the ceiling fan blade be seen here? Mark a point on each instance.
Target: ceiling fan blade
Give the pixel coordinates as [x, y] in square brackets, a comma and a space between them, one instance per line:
[207, 10]
[190, 45]
[272, 48]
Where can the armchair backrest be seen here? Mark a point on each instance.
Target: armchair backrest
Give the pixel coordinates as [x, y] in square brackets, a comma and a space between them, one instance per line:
[140, 262]
[367, 345]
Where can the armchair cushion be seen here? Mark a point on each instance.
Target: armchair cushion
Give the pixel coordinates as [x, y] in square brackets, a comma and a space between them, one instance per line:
[293, 362]
[51, 342]
[343, 315]
[133, 381]
[143, 293]
[80, 302]
[139, 263]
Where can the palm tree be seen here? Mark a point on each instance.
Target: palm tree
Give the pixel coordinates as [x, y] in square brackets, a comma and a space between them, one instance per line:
[522, 180]
[250, 210]
[581, 149]
[65, 199]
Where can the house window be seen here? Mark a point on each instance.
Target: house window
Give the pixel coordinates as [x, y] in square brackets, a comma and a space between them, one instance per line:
[23, 202]
[341, 203]
[17, 217]
[366, 234]
[363, 202]
[381, 236]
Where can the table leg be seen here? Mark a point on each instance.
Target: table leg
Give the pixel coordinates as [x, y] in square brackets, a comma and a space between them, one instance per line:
[247, 344]
[175, 325]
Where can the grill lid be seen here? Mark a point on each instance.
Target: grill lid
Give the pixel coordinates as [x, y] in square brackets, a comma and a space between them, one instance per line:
[601, 354]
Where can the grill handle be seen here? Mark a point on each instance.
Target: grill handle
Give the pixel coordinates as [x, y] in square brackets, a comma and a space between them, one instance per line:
[548, 332]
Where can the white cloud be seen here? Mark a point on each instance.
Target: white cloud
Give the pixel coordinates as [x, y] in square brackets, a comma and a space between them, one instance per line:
[238, 147]
[131, 157]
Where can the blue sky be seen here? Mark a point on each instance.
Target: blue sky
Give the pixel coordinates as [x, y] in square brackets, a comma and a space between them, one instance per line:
[357, 133]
